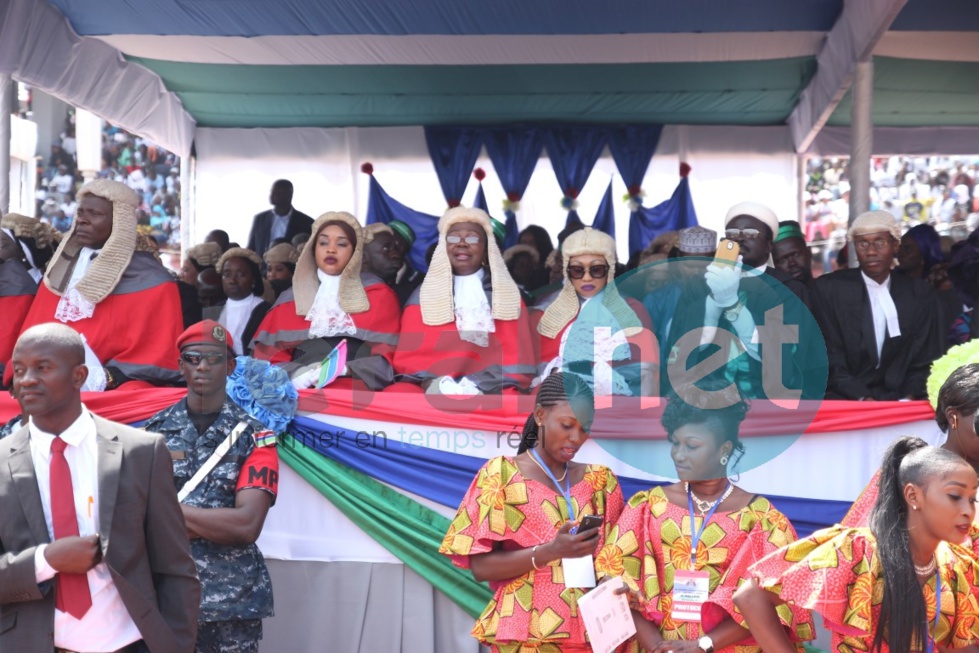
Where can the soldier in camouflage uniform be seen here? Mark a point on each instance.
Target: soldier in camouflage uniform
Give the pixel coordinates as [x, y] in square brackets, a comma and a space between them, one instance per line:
[226, 510]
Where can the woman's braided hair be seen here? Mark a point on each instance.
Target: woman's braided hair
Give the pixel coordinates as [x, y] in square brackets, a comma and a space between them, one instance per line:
[558, 387]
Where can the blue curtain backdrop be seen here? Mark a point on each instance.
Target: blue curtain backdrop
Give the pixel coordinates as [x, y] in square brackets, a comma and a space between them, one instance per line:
[381, 207]
[480, 201]
[573, 151]
[632, 148]
[675, 213]
[453, 150]
[514, 152]
[605, 217]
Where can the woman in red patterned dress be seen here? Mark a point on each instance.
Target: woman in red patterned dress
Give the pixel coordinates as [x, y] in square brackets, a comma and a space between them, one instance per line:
[955, 413]
[515, 527]
[683, 548]
[863, 580]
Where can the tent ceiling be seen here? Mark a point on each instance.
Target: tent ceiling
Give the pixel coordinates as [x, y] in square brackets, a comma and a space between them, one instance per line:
[255, 63]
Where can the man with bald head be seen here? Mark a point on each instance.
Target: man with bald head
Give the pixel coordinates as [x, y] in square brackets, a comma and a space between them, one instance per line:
[123, 301]
[881, 327]
[93, 555]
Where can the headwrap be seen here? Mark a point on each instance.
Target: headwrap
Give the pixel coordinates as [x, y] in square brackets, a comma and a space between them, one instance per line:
[697, 240]
[268, 294]
[755, 210]
[281, 253]
[873, 222]
[566, 306]
[205, 255]
[104, 273]
[436, 291]
[351, 295]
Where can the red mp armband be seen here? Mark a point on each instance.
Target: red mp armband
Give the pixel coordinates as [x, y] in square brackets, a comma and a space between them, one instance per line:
[261, 470]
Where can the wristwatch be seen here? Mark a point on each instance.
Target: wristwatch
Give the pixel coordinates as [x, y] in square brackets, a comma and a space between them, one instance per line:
[706, 643]
[731, 314]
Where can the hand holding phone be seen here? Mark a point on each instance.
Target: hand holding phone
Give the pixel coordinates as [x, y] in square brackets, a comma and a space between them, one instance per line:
[588, 523]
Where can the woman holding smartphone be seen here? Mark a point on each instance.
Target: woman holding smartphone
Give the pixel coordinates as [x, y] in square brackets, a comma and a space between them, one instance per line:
[876, 587]
[516, 526]
[683, 548]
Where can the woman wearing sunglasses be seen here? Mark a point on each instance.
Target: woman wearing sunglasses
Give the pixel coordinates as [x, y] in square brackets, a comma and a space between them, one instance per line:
[465, 329]
[618, 360]
[332, 306]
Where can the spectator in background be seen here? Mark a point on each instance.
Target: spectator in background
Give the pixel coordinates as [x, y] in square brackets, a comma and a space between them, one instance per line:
[523, 265]
[538, 238]
[384, 252]
[280, 265]
[220, 237]
[281, 221]
[791, 254]
[408, 277]
[249, 296]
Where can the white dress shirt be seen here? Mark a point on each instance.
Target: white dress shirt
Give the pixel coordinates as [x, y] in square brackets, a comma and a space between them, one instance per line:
[280, 225]
[884, 311]
[107, 625]
[81, 265]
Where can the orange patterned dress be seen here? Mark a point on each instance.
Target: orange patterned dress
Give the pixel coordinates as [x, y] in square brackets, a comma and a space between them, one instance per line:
[534, 612]
[652, 541]
[837, 573]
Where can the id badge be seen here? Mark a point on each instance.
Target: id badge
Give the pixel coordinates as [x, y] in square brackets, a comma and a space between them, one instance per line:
[579, 572]
[690, 591]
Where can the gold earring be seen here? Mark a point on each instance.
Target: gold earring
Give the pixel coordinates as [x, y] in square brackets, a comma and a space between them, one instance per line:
[955, 422]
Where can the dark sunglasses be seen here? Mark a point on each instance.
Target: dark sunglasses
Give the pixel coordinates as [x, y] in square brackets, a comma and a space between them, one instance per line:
[596, 271]
[194, 358]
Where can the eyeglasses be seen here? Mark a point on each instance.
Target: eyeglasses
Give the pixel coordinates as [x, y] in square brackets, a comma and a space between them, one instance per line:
[235, 274]
[194, 358]
[596, 271]
[747, 234]
[877, 244]
[469, 240]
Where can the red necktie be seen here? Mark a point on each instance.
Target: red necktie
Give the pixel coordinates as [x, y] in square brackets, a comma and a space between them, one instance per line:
[71, 590]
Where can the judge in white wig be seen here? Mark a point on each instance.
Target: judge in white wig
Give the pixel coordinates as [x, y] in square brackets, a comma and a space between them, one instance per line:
[121, 299]
[332, 301]
[465, 330]
[620, 363]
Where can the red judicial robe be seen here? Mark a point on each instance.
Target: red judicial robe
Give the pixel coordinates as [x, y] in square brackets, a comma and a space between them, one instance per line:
[282, 334]
[17, 290]
[427, 352]
[134, 330]
[550, 348]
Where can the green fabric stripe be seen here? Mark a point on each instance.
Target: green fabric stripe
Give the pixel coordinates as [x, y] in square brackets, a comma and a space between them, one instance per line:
[915, 93]
[753, 92]
[403, 526]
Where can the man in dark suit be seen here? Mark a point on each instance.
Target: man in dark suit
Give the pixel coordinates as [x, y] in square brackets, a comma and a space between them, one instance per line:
[282, 221]
[880, 326]
[93, 548]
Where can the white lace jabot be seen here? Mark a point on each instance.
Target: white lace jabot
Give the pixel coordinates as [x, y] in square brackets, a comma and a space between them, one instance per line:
[73, 306]
[325, 316]
[474, 317]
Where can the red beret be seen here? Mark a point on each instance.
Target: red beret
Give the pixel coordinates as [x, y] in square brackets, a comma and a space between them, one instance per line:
[208, 332]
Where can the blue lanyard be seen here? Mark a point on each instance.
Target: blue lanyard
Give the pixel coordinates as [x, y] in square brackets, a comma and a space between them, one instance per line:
[938, 610]
[696, 533]
[566, 492]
